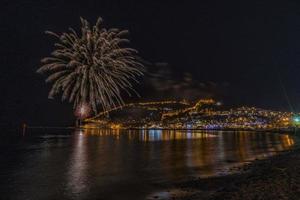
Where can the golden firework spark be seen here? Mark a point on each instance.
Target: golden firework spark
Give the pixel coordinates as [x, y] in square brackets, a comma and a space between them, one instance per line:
[92, 66]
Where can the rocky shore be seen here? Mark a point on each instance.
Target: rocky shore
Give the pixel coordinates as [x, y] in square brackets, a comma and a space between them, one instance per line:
[273, 179]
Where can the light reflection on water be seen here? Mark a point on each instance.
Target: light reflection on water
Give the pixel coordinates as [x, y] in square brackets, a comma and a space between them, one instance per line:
[77, 173]
[150, 135]
[120, 164]
[161, 155]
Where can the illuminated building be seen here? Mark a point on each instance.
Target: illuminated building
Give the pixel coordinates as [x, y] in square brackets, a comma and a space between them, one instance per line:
[203, 114]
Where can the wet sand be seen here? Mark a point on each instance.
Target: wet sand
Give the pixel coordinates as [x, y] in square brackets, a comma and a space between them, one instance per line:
[275, 178]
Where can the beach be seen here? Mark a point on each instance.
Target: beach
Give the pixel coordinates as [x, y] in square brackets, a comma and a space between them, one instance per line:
[275, 178]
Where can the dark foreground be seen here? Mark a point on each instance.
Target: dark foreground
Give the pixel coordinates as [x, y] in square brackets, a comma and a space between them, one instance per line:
[275, 178]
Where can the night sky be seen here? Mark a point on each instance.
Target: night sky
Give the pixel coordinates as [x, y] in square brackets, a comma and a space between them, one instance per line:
[241, 52]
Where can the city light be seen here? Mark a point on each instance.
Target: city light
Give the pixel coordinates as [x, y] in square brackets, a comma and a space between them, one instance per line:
[297, 119]
[203, 114]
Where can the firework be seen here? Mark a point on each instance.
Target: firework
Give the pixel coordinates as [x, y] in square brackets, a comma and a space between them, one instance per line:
[82, 111]
[93, 66]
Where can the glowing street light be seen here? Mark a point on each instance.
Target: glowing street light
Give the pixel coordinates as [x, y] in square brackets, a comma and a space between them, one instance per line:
[296, 120]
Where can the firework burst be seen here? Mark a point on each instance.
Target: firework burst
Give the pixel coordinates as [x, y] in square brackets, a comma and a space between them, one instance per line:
[82, 111]
[92, 67]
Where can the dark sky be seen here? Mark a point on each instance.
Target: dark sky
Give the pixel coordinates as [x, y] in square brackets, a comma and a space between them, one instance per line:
[243, 52]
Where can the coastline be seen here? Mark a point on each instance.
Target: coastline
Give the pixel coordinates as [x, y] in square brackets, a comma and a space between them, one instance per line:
[277, 177]
[220, 129]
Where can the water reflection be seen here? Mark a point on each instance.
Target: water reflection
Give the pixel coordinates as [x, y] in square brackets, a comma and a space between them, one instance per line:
[77, 175]
[174, 154]
[112, 164]
[150, 135]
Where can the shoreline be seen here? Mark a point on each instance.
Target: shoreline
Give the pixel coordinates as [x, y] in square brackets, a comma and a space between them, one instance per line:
[225, 129]
[277, 177]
